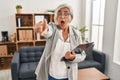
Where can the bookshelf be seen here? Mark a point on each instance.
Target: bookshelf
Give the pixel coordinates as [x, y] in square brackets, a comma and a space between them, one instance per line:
[25, 36]
[25, 23]
[6, 53]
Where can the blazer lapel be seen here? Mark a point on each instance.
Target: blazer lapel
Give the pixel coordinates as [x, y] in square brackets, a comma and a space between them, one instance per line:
[73, 38]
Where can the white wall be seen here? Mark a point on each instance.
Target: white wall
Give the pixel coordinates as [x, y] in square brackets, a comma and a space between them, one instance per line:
[117, 37]
[7, 11]
[112, 69]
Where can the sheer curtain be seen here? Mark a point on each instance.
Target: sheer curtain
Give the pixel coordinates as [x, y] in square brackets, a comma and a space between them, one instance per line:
[95, 21]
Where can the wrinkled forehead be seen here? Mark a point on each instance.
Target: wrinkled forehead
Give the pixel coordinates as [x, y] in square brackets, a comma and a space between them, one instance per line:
[64, 9]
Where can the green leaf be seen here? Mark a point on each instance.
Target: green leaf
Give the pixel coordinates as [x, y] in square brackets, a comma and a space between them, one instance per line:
[18, 7]
[83, 29]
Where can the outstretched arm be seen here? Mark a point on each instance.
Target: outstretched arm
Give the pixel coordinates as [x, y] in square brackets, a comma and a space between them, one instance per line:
[41, 27]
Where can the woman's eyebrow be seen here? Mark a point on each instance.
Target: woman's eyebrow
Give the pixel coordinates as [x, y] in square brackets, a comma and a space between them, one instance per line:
[66, 11]
[63, 11]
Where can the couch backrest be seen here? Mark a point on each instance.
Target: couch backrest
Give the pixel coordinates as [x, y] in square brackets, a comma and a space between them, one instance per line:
[30, 54]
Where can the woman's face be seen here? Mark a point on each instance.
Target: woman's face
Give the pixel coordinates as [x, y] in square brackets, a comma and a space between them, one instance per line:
[64, 18]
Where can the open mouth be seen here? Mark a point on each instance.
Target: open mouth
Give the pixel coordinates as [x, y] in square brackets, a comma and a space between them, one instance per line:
[62, 23]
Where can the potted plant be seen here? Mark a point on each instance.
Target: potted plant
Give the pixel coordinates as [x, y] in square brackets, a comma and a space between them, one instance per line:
[18, 9]
[51, 11]
[82, 31]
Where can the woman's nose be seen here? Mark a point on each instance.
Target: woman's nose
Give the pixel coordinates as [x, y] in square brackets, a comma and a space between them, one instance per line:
[62, 16]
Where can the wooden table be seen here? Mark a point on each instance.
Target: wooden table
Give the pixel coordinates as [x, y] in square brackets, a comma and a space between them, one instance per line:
[91, 74]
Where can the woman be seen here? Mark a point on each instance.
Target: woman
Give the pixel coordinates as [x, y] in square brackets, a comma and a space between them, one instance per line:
[58, 61]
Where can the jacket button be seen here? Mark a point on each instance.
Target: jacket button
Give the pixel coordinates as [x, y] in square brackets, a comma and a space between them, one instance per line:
[68, 67]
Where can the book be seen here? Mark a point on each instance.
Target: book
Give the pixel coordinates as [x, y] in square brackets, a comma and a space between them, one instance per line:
[39, 18]
[3, 50]
[19, 22]
[38, 36]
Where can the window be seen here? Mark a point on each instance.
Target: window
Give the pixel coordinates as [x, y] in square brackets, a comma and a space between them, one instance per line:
[96, 21]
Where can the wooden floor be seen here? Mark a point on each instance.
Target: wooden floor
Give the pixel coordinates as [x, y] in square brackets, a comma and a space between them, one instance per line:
[5, 74]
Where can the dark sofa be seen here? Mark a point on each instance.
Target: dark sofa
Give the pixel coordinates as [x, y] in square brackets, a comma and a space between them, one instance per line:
[98, 61]
[25, 61]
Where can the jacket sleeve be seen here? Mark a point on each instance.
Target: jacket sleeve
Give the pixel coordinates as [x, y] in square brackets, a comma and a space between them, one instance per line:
[80, 57]
[49, 31]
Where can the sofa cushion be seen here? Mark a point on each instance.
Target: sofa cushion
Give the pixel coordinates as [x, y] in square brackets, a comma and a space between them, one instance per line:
[88, 64]
[30, 54]
[27, 70]
[88, 48]
[89, 51]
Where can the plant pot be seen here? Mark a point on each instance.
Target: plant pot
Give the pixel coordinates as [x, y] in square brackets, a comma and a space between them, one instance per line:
[19, 11]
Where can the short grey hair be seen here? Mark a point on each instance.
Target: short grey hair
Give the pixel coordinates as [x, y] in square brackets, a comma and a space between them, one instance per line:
[60, 7]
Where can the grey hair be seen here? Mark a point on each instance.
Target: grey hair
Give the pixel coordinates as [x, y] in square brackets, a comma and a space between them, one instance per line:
[63, 6]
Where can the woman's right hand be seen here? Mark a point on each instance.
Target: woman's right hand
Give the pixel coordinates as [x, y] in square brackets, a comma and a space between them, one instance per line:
[41, 27]
[70, 55]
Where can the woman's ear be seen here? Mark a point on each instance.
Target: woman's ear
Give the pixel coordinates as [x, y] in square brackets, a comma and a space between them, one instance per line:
[70, 20]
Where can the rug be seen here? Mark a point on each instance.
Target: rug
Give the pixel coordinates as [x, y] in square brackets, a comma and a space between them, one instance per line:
[5, 74]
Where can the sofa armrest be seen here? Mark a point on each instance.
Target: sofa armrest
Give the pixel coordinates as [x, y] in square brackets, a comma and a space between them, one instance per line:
[99, 57]
[15, 66]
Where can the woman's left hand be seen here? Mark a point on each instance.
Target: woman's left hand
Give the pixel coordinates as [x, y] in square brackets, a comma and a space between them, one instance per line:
[70, 55]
